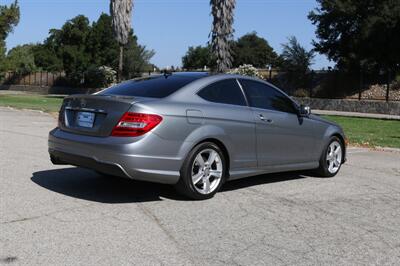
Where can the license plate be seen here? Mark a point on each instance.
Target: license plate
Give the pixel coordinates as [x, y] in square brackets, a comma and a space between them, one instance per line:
[85, 119]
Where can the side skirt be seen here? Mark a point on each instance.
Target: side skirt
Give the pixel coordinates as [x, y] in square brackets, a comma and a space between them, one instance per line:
[241, 173]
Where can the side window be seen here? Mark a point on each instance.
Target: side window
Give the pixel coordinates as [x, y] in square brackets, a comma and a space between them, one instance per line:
[263, 96]
[224, 91]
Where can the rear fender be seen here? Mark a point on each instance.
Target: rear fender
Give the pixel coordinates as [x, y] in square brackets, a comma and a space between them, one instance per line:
[203, 133]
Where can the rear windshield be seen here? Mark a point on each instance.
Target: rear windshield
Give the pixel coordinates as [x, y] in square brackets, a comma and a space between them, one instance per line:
[154, 86]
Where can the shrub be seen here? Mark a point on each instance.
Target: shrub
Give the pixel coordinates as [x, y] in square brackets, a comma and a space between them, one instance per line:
[100, 77]
[246, 70]
[74, 78]
[301, 93]
[396, 83]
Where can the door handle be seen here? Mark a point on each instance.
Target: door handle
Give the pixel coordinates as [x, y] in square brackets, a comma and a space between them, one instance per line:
[262, 118]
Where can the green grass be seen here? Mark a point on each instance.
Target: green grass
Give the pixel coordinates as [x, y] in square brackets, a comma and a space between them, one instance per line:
[369, 132]
[32, 101]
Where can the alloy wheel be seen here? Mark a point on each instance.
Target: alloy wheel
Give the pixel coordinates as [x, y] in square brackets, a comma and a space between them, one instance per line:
[334, 157]
[206, 171]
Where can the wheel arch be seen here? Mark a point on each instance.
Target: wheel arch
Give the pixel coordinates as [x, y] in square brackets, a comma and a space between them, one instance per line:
[223, 148]
[343, 141]
[220, 145]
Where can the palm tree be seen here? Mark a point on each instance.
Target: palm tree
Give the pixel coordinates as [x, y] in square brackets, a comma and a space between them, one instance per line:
[222, 32]
[121, 12]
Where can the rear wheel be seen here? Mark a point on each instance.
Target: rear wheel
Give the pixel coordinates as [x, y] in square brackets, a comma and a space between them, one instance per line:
[331, 158]
[203, 172]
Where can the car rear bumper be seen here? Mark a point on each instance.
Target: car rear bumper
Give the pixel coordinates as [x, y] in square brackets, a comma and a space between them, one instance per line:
[59, 157]
[115, 156]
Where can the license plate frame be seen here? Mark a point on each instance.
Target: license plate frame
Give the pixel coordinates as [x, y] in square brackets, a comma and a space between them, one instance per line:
[85, 119]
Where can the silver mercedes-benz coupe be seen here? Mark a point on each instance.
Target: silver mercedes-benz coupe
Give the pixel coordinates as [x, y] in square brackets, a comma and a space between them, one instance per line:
[194, 130]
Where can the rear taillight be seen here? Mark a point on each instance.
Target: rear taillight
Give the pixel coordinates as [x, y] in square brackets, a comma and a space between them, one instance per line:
[135, 124]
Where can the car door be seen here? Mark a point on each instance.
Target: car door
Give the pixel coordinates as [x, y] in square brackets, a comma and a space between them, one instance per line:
[227, 112]
[283, 138]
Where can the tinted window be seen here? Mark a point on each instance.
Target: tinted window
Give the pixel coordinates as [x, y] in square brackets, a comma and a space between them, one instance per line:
[225, 91]
[155, 86]
[263, 96]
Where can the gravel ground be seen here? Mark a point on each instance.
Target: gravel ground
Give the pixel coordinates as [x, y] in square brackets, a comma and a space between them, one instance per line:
[52, 215]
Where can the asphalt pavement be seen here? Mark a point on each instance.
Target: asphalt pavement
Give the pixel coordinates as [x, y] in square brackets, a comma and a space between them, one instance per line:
[61, 215]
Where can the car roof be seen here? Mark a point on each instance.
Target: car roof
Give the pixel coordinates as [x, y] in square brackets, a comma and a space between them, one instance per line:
[191, 74]
[203, 79]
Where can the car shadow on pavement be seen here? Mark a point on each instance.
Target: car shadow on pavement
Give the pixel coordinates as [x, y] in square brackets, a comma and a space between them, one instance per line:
[88, 185]
[262, 179]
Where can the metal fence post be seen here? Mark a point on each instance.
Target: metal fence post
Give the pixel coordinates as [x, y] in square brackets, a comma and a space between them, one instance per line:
[361, 85]
[388, 86]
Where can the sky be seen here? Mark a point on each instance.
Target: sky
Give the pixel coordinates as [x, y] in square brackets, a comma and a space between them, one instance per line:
[169, 27]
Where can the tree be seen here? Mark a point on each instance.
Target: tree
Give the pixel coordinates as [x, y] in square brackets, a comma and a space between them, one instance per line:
[357, 33]
[136, 59]
[295, 57]
[78, 47]
[21, 59]
[46, 58]
[103, 49]
[222, 32]
[296, 63]
[121, 13]
[198, 57]
[254, 50]
[9, 18]
[70, 45]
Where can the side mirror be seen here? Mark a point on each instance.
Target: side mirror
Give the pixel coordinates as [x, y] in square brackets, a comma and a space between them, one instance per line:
[304, 110]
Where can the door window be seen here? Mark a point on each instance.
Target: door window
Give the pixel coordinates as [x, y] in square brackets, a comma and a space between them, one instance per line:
[225, 91]
[261, 95]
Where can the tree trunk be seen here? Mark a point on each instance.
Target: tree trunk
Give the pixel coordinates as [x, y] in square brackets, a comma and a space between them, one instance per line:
[121, 62]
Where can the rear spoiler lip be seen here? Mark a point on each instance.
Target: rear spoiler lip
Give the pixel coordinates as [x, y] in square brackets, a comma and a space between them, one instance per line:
[120, 98]
[103, 97]
[86, 109]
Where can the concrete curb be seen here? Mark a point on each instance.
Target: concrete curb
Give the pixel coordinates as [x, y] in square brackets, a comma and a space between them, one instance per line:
[356, 149]
[355, 114]
[387, 149]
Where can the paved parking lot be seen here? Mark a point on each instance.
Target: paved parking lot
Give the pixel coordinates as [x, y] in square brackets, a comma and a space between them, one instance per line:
[64, 215]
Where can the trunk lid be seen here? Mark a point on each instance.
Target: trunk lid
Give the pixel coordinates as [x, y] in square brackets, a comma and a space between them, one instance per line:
[93, 115]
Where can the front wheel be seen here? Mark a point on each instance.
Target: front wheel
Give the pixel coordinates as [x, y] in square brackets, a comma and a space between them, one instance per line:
[203, 172]
[331, 158]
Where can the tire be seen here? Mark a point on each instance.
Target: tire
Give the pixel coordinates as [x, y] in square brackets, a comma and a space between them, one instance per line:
[203, 172]
[331, 160]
